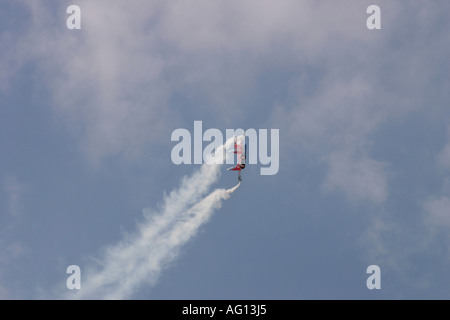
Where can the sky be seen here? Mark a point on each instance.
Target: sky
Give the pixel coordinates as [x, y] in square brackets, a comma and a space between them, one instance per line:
[87, 179]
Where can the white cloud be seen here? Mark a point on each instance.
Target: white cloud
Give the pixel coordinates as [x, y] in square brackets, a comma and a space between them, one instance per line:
[377, 242]
[341, 98]
[114, 79]
[105, 80]
[334, 124]
[14, 192]
[359, 178]
[438, 210]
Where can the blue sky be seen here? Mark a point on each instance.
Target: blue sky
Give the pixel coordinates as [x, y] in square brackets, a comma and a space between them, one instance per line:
[86, 118]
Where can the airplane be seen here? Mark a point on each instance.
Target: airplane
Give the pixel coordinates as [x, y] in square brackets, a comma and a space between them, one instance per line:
[239, 144]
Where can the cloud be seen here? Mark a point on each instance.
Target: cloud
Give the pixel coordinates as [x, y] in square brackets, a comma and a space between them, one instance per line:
[14, 192]
[438, 210]
[334, 124]
[104, 81]
[12, 249]
[339, 100]
[114, 81]
[360, 178]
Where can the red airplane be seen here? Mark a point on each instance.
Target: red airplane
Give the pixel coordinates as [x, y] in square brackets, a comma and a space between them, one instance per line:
[239, 146]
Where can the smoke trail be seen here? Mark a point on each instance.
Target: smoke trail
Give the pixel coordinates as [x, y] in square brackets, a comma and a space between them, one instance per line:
[140, 257]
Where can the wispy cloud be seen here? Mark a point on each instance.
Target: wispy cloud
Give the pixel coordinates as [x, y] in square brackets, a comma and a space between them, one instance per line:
[438, 210]
[360, 179]
[334, 124]
[14, 193]
[113, 80]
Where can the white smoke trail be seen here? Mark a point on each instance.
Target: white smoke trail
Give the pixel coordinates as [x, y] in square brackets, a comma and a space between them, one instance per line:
[141, 256]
